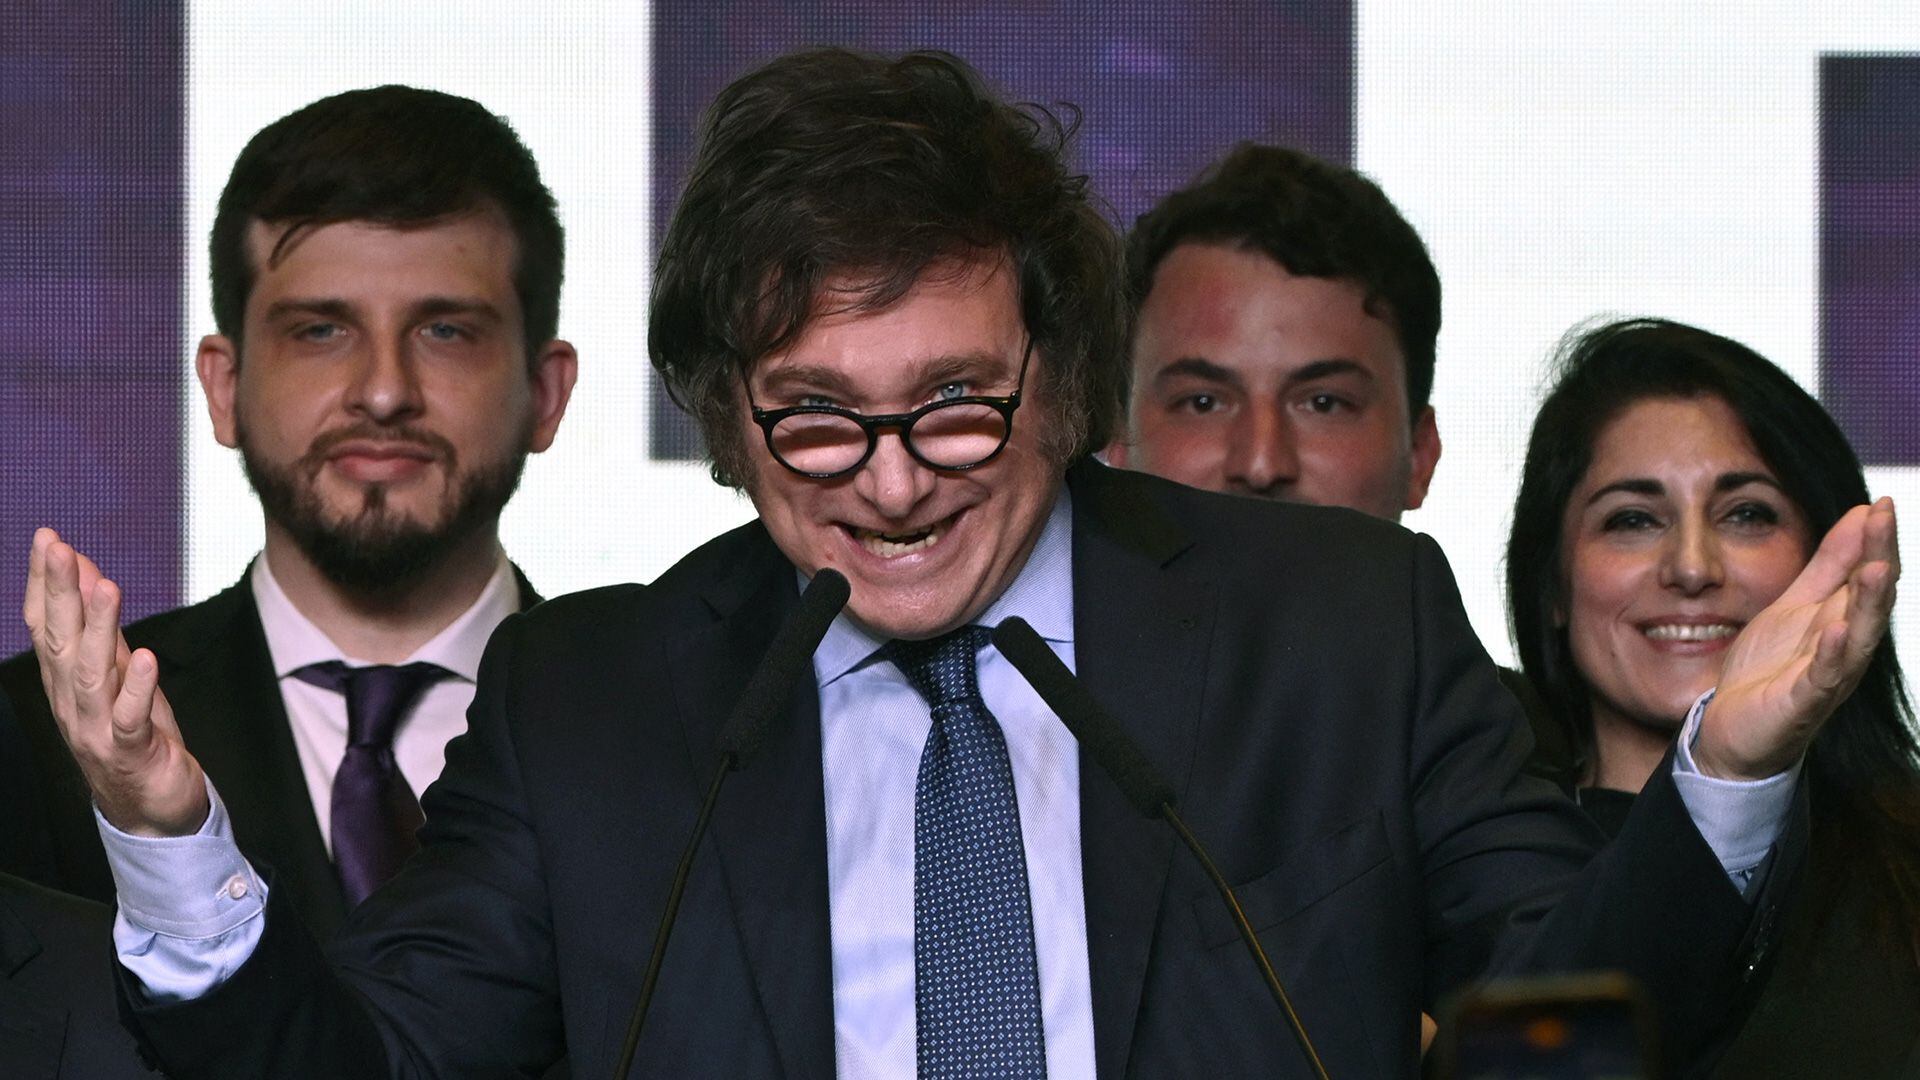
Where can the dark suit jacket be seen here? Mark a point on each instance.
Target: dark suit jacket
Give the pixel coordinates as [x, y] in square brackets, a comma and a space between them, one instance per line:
[57, 1015]
[218, 674]
[58, 1020]
[1306, 677]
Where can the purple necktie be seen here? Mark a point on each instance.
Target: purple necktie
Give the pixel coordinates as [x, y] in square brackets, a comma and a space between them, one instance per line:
[375, 813]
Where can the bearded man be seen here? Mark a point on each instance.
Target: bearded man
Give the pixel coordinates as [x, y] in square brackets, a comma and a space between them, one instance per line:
[386, 269]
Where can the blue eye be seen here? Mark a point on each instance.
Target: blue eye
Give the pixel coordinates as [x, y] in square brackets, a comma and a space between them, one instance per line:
[324, 331]
[949, 391]
[443, 331]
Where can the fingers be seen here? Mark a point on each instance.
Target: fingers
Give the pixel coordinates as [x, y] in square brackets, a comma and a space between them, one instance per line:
[89, 574]
[1829, 670]
[133, 708]
[1840, 552]
[1883, 536]
[74, 615]
[1869, 610]
[33, 608]
[161, 710]
[96, 675]
[61, 618]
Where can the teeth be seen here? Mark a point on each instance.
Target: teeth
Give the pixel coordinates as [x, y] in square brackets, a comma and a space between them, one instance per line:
[1687, 632]
[892, 547]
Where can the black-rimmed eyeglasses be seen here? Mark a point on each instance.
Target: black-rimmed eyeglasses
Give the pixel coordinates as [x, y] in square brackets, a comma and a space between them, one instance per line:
[827, 441]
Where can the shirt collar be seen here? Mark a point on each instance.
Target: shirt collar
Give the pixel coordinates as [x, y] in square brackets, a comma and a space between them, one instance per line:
[1041, 593]
[295, 642]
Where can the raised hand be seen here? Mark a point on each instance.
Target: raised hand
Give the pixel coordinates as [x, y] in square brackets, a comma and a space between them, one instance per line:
[1794, 664]
[107, 698]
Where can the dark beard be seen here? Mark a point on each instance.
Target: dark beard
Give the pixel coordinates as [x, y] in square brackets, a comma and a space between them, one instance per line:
[374, 552]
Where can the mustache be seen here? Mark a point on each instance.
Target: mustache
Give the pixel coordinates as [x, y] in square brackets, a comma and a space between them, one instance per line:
[326, 442]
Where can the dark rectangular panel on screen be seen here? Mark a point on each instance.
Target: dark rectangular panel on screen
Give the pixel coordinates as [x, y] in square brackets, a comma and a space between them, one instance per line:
[1164, 87]
[92, 273]
[1870, 252]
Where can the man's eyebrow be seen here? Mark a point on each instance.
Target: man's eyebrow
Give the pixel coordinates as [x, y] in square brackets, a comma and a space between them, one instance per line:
[952, 365]
[309, 305]
[1324, 369]
[455, 305]
[806, 377]
[427, 307]
[1193, 367]
[803, 376]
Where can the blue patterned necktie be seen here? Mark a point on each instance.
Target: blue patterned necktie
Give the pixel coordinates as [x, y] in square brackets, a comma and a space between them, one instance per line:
[977, 984]
[375, 813]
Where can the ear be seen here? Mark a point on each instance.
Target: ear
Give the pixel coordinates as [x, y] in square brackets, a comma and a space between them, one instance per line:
[1425, 454]
[1116, 452]
[217, 362]
[554, 372]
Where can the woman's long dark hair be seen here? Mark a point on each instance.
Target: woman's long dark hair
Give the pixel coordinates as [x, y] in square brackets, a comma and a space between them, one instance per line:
[1864, 768]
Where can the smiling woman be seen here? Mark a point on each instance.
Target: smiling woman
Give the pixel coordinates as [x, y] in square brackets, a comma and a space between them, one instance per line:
[1676, 483]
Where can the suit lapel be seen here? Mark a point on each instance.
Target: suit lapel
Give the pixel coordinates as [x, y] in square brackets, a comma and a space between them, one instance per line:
[18, 943]
[219, 676]
[33, 1024]
[769, 826]
[1140, 633]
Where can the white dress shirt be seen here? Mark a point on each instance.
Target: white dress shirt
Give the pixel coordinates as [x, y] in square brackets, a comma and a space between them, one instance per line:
[318, 715]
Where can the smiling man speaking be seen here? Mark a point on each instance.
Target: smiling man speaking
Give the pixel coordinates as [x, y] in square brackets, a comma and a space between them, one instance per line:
[899, 322]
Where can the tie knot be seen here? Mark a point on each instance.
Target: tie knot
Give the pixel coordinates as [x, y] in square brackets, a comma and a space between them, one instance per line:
[942, 669]
[377, 695]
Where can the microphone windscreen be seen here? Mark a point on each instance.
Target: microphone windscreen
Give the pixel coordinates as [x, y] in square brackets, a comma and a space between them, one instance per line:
[790, 656]
[1104, 740]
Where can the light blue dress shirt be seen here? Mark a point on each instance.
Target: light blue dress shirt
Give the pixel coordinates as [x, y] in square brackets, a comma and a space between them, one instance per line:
[873, 727]
[190, 907]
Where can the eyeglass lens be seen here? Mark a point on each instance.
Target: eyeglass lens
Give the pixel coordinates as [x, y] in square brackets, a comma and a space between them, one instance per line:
[948, 437]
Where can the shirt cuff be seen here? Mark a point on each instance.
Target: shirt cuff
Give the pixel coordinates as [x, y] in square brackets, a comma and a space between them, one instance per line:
[191, 887]
[1740, 819]
[190, 907]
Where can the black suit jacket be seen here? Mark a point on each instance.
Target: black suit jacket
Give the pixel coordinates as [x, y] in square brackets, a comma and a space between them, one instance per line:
[1307, 678]
[58, 1020]
[57, 1015]
[218, 674]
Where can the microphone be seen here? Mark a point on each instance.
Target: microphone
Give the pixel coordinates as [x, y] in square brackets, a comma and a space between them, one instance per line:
[741, 738]
[790, 655]
[1122, 760]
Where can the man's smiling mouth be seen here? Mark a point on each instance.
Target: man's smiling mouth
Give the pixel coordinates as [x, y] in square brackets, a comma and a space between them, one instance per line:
[894, 545]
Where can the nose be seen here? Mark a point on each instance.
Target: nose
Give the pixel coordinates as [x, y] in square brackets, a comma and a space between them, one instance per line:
[1690, 562]
[891, 481]
[1262, 458]
[386, 383]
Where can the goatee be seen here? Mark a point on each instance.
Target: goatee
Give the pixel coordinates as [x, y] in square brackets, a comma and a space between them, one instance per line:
[375, 550]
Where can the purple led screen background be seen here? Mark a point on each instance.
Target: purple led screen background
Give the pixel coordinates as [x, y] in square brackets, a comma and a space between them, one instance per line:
[1870, 252]
[91, 285]
[1164, 87]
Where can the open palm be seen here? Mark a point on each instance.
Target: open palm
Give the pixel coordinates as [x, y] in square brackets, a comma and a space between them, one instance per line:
[1794, 664]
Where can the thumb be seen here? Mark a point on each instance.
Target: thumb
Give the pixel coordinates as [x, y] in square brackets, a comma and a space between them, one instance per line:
[133, 708]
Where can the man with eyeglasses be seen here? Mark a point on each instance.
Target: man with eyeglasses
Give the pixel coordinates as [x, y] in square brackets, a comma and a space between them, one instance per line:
[899, 322]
